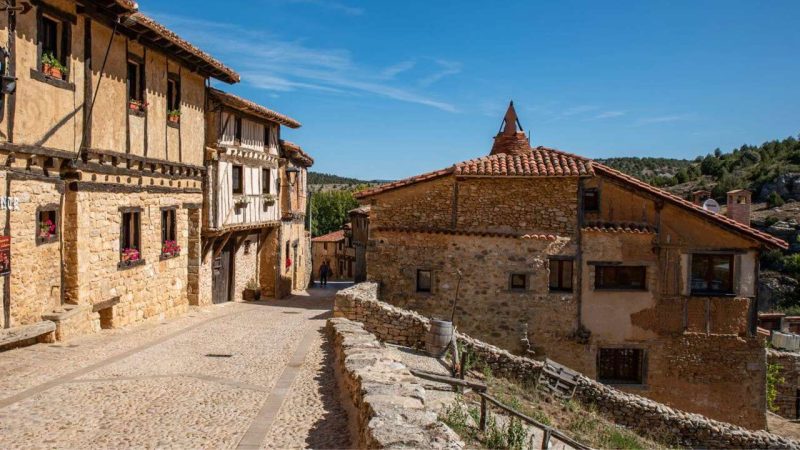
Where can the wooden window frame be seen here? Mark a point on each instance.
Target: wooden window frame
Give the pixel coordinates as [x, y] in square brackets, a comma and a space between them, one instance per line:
[130, 236]
[237, 189]
[267, 132]
[266, 181]
[420, 289]
[616, 376]
[237, 129]
[138, 87]
[599, 286]
[595, 205]
[169, 228]
[49, 209]
[710, 274]
[64, 22]
[558, 265]
[173, 101]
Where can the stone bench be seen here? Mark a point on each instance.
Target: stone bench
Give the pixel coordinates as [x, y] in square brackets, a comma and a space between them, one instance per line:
[40, 331]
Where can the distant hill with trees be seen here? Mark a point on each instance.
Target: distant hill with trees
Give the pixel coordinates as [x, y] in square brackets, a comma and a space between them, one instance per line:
[319, 178]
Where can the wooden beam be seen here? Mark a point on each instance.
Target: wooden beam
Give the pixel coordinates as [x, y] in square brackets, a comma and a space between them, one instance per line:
[222, 245]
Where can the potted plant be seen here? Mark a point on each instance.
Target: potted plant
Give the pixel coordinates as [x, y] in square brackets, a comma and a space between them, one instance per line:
[52, 67]
[170, 248]
[240, 201]
[130, 255]
[137, 105]
[47, 229]
[174, 115]
[252, 293]
[269, 199]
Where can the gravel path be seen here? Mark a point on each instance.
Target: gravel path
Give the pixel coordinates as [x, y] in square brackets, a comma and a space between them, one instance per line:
[215, 378]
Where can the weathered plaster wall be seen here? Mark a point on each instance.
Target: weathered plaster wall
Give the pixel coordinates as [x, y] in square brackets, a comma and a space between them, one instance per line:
[109, 127]
[192, 138]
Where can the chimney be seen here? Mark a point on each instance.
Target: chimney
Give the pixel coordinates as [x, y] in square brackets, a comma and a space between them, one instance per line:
[511, 138]
[698, 197]
[739, 206]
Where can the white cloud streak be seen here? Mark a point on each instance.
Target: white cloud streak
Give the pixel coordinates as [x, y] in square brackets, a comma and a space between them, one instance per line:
[334, 6]
[663, 119]
[277, 65]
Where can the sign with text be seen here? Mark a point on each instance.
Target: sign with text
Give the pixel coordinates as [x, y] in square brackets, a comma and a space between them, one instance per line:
[5, 255]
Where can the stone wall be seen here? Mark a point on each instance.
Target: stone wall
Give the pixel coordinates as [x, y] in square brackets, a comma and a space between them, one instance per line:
[296, 276]
[245, 264]
[788, 393]
[385, 402]
[392, 324]
[154, 290]
[35, 278]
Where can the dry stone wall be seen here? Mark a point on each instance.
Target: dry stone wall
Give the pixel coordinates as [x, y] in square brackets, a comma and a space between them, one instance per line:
[395, 325]
[385, 402]
[789, 371]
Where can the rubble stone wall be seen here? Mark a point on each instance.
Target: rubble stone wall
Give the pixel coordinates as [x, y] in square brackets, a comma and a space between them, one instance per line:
[385, 402]
[789, 388]
[245, 265]
[395, 325]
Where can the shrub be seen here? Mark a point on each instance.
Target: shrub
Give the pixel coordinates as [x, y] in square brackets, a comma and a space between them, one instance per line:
[774, 378]
[775, 199]
[791, 264]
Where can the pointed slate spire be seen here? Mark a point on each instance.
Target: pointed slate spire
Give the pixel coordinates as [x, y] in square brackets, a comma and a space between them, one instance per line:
[511, 138]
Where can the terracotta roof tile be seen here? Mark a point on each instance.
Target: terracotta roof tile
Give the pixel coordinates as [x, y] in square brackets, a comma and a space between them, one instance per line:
[404, 182]
[334, 236]
[295, 153]
[540, 161]
[248, 106]
[717, 218]
[619, 227]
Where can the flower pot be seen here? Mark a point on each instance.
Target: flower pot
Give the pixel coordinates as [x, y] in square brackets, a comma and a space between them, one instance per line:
[174, 119]
[251, 295]
[52, 71]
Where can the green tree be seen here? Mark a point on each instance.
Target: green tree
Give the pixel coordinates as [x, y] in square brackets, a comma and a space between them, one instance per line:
[329, 211]
[774, 200]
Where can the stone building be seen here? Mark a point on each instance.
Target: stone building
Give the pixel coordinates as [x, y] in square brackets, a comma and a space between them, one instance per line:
[558, 255]
[294, 240]
[101, 165]
[359, 222]
[242, 219]
[337, 249]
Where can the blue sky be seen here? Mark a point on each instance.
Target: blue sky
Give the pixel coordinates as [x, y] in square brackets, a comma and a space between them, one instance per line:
[391, 89]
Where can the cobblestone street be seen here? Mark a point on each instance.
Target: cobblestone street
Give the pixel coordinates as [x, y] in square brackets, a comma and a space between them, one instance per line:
[237, 375]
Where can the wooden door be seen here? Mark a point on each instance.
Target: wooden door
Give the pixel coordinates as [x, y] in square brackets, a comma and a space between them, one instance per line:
[221, 280]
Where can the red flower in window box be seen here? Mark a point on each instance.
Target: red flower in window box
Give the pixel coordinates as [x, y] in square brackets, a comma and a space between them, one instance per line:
[137, 105]
[170, 248]
[130, 255]
[288, 262]
[47, 229]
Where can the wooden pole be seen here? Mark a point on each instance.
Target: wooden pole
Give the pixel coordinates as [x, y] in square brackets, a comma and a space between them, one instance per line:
[483, 413]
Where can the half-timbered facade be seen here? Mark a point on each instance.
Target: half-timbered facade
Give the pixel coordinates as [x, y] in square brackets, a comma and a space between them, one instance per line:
[102, 157]
[242, 208]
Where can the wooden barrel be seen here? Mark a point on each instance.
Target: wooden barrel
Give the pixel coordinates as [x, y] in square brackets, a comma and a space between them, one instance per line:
[438, 338]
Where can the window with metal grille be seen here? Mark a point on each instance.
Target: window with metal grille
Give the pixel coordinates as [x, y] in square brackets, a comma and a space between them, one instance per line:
[712, 274]
[561, 275]
[621, 365]
[621, 277]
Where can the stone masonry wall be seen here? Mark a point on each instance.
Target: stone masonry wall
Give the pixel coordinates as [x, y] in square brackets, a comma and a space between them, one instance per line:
[35, 277]
[395, 325]
[487, 307]
[154, 290]
[789, 388]
[245, 265]
[385, 402]
[427, 204]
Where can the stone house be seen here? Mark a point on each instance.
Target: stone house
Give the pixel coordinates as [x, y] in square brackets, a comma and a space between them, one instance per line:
[294, 240]
[242, 219]
[359, 222]
[336, 248]
[101, 156]
[561, 256]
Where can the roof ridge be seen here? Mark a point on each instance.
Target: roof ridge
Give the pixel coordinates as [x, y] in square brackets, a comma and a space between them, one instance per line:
[263, 111]
[724, 220]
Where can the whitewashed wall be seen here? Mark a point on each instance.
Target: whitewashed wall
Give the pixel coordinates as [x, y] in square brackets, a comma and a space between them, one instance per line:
[252, 134]
[254, 211]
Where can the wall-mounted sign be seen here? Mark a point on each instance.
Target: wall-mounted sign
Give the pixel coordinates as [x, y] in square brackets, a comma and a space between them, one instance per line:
[9, 203]
[5, 255]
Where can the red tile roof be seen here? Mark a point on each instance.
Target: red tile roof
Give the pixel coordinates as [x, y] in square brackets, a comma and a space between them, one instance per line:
[538, 162]
[719, 219]
[335, 236]
[248, 106]
[619, 227]
[296, 154]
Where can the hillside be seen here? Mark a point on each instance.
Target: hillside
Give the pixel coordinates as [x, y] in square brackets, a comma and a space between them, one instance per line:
[319, 178]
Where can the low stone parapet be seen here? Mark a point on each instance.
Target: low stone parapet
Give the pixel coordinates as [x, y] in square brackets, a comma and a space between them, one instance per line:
[395, 325]
[386, 403]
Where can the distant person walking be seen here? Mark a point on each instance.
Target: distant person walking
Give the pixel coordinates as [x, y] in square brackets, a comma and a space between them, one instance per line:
[324, 270]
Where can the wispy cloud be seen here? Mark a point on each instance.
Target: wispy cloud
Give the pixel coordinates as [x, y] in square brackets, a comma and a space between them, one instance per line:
[273, 64]
[608, 115]
[663, 119]
[446, 68]
[576, 110]
[334, 6]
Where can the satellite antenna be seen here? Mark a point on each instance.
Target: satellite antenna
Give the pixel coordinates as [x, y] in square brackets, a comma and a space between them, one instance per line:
[711, 205]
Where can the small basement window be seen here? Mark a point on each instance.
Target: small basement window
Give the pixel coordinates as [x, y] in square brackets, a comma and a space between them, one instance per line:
[712, 274]
[237, 183]
[129, 239]
[621, 277]
[591, 200]
[561, 275]
[518, 281]
[424, 280]
[47, 226]
[621, 365]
